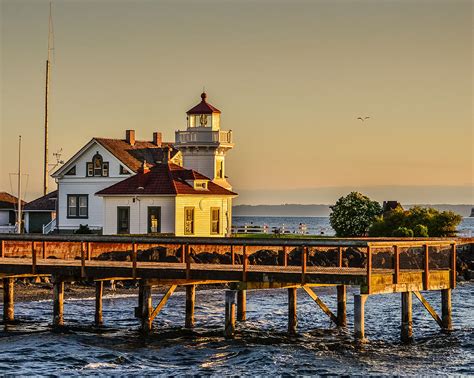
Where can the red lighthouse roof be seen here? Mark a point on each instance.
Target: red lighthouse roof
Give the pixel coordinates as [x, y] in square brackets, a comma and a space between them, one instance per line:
[203, 107]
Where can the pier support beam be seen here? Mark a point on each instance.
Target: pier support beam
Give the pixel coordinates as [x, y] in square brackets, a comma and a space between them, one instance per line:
[242, 305]
[58, 302]
[147, 308]
[407, 319]
[359, 316]
[292, 316]
[446, 310]
[229, 331]
[99, 291]
[190, 301]
[139, 308]
[8, 300]
[341, 306]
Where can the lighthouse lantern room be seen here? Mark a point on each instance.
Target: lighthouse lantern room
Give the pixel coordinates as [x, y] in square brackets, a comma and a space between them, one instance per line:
[204, 145]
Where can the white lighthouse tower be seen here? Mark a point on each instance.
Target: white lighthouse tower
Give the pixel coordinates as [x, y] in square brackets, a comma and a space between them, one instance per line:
[204, 145]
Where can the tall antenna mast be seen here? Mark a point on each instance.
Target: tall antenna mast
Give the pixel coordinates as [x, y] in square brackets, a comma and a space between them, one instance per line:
[48, 63]
[19, 214]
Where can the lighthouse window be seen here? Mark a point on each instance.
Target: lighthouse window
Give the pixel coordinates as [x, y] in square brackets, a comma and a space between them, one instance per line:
[219, 169]
[189, 220]
[215, 220]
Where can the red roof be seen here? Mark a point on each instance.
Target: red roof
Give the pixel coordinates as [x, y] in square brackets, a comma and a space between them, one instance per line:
[164, 179]
[203, 107]
[133, 156]
[7, 201]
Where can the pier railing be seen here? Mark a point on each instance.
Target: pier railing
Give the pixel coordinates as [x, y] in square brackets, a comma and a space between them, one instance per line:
[361, 257]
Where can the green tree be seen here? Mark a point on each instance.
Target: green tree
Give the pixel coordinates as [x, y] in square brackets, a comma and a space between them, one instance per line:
[403, 232]
[353, 214]
[420, 231]
[423, 221]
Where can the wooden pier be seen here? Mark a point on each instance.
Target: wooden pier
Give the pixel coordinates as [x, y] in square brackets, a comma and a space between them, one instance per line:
[376, 267]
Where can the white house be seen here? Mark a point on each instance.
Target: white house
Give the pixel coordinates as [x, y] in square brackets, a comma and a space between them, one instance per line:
[102, 163]
[99, 164]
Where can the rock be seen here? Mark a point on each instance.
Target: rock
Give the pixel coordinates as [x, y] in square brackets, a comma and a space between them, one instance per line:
[264, 257]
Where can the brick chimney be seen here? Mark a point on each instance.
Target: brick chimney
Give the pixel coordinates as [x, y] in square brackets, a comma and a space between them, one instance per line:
[130, 137]
[166, 154]
[157, 139]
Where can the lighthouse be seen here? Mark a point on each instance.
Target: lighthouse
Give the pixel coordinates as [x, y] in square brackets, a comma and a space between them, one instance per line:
[204, 145]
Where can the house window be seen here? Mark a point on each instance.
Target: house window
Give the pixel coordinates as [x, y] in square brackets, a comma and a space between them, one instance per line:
[71, 172]
[77, 206]
[123, 171]
[90, 170]
[105, 169]
[97, 167]
[189, 220]
[215, 220]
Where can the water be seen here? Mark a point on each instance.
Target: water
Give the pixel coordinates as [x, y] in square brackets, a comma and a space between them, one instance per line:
[261, 347]
[320, 225]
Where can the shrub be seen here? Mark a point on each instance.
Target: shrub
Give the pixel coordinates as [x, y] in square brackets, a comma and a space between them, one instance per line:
[420, 230]
[353, 214]
[403, 232]
[83, 229]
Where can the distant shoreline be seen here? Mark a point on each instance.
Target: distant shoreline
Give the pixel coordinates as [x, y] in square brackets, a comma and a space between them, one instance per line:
[297, 210]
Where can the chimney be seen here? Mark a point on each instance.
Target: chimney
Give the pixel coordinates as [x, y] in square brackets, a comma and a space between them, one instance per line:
[166, 154]
[130, 137]
[157, 138]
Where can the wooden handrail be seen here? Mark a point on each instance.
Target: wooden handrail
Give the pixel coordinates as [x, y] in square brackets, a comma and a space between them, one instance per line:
[369, 268]
[453, 265]
[134, 260]
[83, 260]
[426, 261]
[244, 263]
[396, 263]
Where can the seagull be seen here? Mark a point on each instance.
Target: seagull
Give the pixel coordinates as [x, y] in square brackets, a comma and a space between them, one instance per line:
[363, 119]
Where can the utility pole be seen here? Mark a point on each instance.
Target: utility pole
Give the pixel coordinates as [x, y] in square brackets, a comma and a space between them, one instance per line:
[48, 65]
[19, 214]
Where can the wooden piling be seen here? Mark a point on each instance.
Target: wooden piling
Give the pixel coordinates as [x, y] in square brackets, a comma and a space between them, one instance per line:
[58, 302]
[229, 331]
[292, 316]
[8, 300]
[190, 301]
[139, 308]
[341, 306]
[241, 305]
[446, 309]
[99, 291]
[407, 319]
[147, 309]
[359, 316]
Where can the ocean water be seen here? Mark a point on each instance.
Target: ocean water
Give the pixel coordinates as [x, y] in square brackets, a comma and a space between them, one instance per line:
[319, 225]
[261, 347]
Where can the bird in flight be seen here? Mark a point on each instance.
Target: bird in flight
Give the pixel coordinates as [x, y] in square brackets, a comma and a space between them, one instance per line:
[363, 118]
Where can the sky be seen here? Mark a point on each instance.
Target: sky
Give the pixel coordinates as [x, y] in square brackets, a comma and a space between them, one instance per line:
[290, 78]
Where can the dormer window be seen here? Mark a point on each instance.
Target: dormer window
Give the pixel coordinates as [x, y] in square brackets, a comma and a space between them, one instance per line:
[200, 184]
[97, 168]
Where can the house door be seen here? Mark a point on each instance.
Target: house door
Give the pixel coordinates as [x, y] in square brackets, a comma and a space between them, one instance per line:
[123, 220]
[154, 219]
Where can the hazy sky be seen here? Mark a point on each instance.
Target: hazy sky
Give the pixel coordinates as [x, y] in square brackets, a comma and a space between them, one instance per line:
[290, 77]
